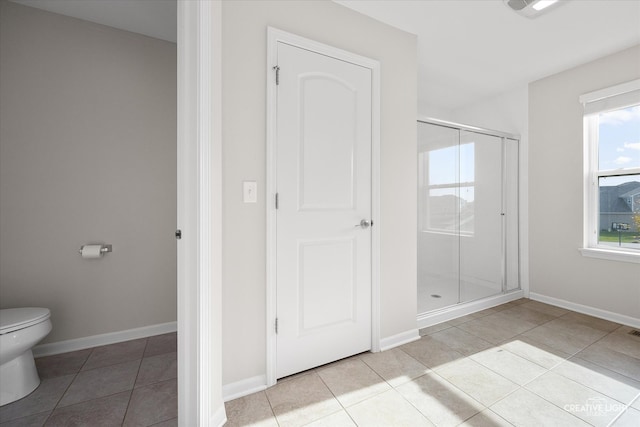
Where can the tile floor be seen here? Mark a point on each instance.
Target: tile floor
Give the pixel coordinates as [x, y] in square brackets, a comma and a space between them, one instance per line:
[523, 363]
[132, 383]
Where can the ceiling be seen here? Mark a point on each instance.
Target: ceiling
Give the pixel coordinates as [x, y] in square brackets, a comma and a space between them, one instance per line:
[153, 18]
[468, 50]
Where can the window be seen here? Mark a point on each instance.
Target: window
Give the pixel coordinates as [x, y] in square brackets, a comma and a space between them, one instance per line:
[612, 172]
[448, 187]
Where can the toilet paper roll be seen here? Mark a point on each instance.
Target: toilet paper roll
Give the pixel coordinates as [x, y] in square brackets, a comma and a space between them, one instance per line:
[91, 251]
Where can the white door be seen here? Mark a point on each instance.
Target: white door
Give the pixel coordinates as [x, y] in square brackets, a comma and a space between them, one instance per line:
[324, 131]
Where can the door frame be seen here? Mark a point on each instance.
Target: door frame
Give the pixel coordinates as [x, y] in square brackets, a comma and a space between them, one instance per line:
[275, 36]
[199, 213]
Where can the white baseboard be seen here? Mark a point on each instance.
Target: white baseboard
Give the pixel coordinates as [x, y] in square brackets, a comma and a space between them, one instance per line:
[103, 339]
[219, 418]
[399, 339]
[585, 309]
[244, 387]
[453, 312]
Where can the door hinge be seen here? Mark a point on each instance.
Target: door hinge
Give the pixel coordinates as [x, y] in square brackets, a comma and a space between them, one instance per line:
[277, 68]
[277, 201]
[178, 234]
[276, 325]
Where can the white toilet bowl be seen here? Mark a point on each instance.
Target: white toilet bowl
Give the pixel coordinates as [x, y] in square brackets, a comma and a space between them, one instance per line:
[20, 330]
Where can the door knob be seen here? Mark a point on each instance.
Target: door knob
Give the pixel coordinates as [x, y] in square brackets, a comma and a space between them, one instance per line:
[365, 223]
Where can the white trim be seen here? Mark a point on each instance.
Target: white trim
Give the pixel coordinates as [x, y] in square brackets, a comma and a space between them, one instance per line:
[244, 387]
[103, 339]
[199, 212]
[204, 114]
[273, 37]
[459, 310]
[591, 174]
[611, 255]
[608, 92]
[591, 311]
[399, 339]
[219, 418]
[375, 207]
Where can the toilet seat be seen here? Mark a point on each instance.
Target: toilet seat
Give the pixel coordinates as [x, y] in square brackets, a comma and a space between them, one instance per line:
[14, 319]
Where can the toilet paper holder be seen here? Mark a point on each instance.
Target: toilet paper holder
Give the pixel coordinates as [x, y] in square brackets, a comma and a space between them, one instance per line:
[103, 250]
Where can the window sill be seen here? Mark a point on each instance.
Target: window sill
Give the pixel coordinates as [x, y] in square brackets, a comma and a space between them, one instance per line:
[612, 255]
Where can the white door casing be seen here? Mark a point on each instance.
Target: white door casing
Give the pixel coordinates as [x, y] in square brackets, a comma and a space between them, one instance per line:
[199, 213]
[323, 154]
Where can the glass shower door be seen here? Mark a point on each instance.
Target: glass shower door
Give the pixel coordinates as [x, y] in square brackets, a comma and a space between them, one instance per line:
[438, 217]
[467, 215]
[481, 216]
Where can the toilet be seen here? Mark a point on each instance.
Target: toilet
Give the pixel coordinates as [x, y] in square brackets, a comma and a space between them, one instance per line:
[20, 330]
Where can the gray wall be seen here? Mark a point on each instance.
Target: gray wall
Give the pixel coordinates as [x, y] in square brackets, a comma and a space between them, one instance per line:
[87, 154]
[244, 127]
[557, 269]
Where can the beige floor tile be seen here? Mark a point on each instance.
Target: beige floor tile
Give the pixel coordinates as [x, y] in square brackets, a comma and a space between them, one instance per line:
[525, 409]
[294, 376]
[431, 352]
[439, 400]
[115, 353]
[514, 303]
[623, 343]
[252, 410]
[493, 329]
[512, 322]
[464, 319]
[42, 399]
[605, 381]
[545, 308]
[509, 365]
[538, 353]
[435, 328]
[106, 411]
[160, 344]
[486, 418]
[533, 316]
[152, 404]
[488, 311]
[157, 368]
[581, 401]
[339, 419]
[576, 327]
[461, 341]
[479, 382]
[602, 355]
[301, 400]
[387, 409]
[395, 366]
[62, 364]
[630, 418]
[559, 339]
[352, 381]
[593, 322]
[101, 382]
[36, 420]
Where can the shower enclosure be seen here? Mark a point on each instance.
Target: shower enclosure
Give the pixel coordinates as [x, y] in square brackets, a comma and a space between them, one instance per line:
[467, 216]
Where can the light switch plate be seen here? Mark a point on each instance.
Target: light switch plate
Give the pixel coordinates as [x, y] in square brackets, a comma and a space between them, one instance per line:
[249, 192]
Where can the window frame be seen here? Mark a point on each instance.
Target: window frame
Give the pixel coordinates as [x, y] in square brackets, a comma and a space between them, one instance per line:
[613, 98]
[425, 221]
